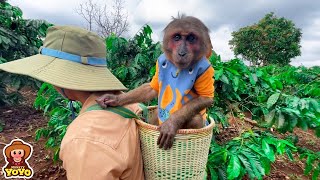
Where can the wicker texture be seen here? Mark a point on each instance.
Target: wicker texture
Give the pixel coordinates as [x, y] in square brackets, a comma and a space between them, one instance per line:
[185, 160]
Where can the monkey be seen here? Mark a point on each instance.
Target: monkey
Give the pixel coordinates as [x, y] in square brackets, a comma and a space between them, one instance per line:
[183, 81]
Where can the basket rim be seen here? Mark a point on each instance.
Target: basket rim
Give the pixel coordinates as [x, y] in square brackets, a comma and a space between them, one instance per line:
[180, 131]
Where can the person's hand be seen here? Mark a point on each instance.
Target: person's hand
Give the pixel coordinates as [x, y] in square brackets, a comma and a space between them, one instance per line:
[108, 100]
[168, 131]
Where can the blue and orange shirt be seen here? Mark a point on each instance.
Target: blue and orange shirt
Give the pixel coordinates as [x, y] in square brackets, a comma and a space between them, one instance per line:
[176, 87]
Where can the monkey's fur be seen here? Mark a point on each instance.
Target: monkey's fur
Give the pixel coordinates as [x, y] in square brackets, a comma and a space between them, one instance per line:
[186, 41]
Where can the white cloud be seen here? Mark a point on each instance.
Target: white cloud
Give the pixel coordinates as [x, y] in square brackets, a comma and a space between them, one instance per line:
[220, 42]
[310, 46]
[222, 17]
[60, 12]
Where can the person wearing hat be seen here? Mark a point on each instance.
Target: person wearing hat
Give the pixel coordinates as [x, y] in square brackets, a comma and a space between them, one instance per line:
[98, 144]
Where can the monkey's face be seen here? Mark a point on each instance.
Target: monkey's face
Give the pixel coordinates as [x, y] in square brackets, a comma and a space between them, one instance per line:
[185, 48]
[186, 40]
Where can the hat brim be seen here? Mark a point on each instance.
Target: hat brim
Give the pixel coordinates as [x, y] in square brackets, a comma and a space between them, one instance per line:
[64, 73]
[26, 149]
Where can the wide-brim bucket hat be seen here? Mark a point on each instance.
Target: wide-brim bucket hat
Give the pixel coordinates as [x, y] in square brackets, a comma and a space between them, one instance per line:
[71, 58]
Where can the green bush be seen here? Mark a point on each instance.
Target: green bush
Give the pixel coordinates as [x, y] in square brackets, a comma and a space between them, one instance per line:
[133, 61]
[251, 153]
[56, 107]
[274, 98]
[19, 38]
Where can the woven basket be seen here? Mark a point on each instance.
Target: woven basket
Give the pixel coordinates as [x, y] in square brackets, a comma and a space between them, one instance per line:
[187, 158]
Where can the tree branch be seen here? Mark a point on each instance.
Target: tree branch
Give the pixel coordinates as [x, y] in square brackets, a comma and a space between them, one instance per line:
[105, 23]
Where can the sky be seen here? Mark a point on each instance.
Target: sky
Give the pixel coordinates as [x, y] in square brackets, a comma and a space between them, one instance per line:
[221, 17]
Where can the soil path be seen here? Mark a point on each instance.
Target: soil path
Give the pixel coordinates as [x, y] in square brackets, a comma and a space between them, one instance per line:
[21, 122]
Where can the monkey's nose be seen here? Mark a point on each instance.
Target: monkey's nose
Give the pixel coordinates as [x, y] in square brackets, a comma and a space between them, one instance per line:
[182, 54]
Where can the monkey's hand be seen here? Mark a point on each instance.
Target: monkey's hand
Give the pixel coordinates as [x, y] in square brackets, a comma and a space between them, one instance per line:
[141, 94]
[168, 131]
[108, 100]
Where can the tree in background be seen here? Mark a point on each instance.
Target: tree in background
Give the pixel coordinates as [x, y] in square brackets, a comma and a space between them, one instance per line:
[104, 20]
[272, 41]
[19, 38]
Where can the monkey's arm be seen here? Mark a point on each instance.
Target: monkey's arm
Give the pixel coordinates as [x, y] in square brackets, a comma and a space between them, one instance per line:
[143, 93]
[177, 119]
[191, 108]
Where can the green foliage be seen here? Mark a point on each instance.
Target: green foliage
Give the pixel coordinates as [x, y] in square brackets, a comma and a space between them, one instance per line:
[271, 41]
[312, 164]
[9, 98]
[298, 81]
[280, 97]
[56, 107]
[273, 96]
[19, 38]
[251, 153]
[133, 61]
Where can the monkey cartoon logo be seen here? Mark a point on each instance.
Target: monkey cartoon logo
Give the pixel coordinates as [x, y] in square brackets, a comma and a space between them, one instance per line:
[16, 155]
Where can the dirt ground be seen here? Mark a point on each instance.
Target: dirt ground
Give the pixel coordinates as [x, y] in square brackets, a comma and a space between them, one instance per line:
[22, 121]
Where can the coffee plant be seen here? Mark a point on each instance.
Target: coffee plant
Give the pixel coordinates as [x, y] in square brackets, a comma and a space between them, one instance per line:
[312, 164]
[249, 154]
[267, 97]
[19, 38]
[56, 107]
[133, 61]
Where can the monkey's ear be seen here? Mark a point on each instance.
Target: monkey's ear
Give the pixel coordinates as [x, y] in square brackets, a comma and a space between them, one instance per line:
[209, 48]
[162, 48]
[209, 53]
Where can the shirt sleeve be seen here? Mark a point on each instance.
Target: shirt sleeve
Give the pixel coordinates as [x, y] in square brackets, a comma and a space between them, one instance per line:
[155, 80]
[204, 85]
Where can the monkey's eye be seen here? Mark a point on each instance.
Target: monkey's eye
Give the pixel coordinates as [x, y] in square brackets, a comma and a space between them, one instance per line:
[191, 38]
[164, 64]
[190, 71]
[177, 37]
[14, 152]
[19, 152]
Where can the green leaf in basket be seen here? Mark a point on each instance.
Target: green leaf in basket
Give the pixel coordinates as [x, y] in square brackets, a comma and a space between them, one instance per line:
[144, 112]
[122, 111]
